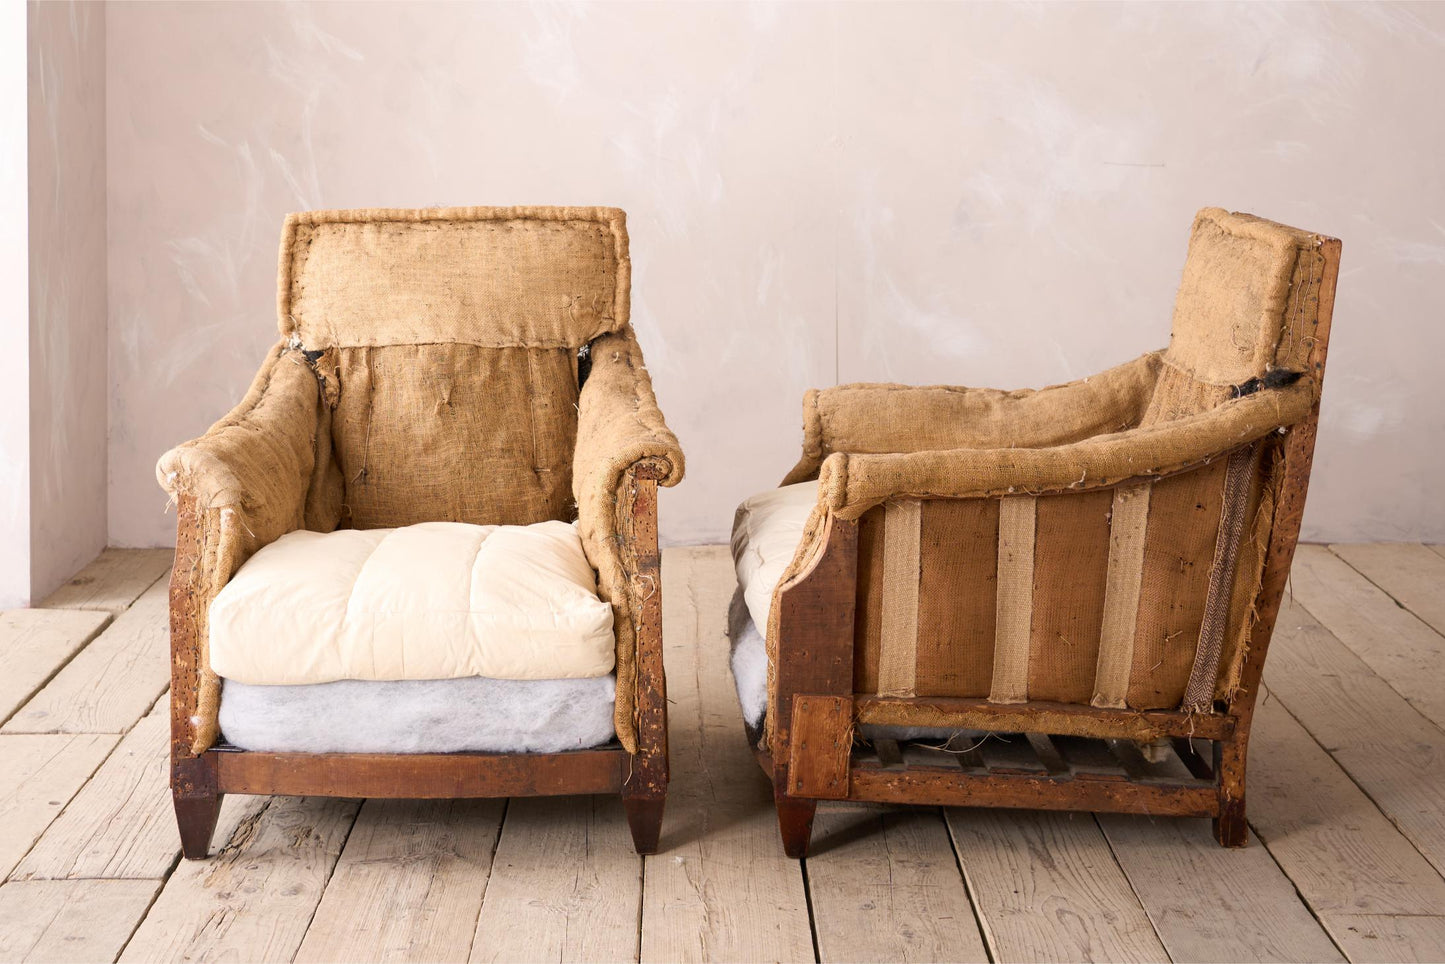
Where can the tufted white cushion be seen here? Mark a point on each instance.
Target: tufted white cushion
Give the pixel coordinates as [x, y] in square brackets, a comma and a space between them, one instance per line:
[766, 532]
[438, 600]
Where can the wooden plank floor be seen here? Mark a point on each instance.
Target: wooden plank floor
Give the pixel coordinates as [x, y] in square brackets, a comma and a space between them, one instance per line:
[1346, 805]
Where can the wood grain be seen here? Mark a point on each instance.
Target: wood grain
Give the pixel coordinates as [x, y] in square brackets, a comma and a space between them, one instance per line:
[121, 825]
[253, 900]
[111, 683]
[1341, 853]
[885, 886]
[1209, 903]
[722, 888]
[1047, 888]
[34, 645]
[70, 920]
[112, 581]
[38, 776]
[1395, 754]
[565, 885]
[1392, 641]
[1411, 573]
[409, 884]
[1390, 938]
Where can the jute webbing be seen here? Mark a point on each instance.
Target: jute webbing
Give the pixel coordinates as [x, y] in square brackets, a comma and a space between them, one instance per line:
[898, 657]
[1199, 693]
[1129, 522]
[1015, 599]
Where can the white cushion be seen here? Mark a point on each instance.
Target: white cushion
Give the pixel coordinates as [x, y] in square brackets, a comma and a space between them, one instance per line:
[766, 532]
[439, 600]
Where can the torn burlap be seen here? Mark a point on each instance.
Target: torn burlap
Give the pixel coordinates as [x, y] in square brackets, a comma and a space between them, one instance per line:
[1238, 370]
[443, 343]
[248, 478]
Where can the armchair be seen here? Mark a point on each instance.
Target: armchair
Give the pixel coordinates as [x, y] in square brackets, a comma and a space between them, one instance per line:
[1091, 570]
[462, 365]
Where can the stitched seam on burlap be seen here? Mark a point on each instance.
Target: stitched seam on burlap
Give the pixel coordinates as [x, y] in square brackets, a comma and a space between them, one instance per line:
[1128, 526]
[1199, 693]
[1014, 621]
[898, 652]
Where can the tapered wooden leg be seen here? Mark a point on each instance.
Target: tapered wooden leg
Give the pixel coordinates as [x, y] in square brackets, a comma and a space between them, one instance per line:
[644, 819]
[196, 817]
[1230, 828]
[795, 823]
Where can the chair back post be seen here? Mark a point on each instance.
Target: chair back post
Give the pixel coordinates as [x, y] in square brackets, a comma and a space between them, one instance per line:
[1297, 458]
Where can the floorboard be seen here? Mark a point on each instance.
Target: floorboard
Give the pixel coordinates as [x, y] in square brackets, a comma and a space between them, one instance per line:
[70, 920]
[409, 883]
[112, 682]
[39, 773]
[113, 581]
[721, 890]
[566, 884]
[1391, 938]
[1411, 573]
[34, 645]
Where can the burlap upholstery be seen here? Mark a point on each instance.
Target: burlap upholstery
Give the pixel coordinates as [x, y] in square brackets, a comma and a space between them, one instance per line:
[428, 371]
[1160, 427]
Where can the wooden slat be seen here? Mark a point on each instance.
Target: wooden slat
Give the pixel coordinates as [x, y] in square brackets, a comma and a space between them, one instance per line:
[1342, 854]
[822, 744]
[421, 775]
[1391, 751]
[1412, 574]
[409, 883]
[38, 775]
[1397, 645]
[566, 885]
[1209, 903]
[939, 786]
[111, 683]
[34, 645]
[1047, 889]
[1387, 938]
[113, 581]
[1047, 753]
[253, 900]
[70, 920]
[1066, 719]
[888, 753]
[121, 823]
[722, 888]
[885, 886]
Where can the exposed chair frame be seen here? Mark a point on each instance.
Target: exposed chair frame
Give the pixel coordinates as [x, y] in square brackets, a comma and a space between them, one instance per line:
[814, 710]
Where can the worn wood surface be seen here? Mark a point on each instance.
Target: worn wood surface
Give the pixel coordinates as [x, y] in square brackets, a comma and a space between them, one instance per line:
[884, 886]
[39, 773]
[112, 581]
[34, 645]
[1410, 573]
[70, 920]
[882, 882]
[581, 903]
[120, 825]
[112, 682]
[409, 883]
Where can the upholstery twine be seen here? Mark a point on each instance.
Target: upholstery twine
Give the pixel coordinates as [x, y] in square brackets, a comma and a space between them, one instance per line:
[441, 388]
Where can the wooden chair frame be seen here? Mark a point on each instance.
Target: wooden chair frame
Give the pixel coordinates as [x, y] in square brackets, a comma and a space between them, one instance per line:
[199, 782]
[815, 708]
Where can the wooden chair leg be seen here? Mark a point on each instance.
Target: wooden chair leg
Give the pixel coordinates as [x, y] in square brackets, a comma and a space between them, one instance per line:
[196, 818]
[795, 823]
[644, 819]
[1230, 828]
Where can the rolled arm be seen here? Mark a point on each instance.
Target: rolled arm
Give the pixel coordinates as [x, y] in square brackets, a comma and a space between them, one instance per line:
[875, 418]
[621, 435]
[239, 487]
[851, 484]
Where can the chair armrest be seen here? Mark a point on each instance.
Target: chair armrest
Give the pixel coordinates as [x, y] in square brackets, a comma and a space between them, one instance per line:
[239, 487]
[258, 459]
[876, 419]
[849, 484]
[622, 442]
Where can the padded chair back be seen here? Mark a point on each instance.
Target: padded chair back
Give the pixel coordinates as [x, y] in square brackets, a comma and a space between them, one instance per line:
[447, 341]
[1248, 284]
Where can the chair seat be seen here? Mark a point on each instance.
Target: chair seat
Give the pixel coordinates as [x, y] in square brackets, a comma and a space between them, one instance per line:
[766, 532]
[437, 600]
